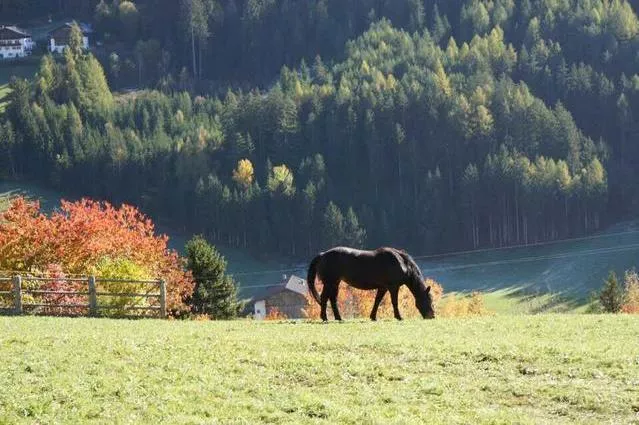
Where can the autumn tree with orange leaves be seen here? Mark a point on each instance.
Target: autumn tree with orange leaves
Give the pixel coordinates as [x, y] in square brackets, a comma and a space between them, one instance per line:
[81, 235]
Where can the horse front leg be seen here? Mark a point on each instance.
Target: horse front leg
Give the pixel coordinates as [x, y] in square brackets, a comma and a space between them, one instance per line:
[394, 298]
[333, 299]
[378, 299]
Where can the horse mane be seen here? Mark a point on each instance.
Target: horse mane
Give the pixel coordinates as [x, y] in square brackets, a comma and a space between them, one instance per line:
[412, 265]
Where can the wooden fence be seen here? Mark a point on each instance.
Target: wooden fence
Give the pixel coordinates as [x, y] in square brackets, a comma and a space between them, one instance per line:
[18, 298]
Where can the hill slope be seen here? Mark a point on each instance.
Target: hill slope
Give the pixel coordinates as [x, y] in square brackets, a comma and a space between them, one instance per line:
[545, 369]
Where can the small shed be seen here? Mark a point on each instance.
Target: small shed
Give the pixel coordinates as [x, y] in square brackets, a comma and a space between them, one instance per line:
[288, 296]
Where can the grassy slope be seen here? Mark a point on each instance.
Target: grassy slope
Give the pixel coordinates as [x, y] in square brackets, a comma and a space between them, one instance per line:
[553, 277]
[534, 369]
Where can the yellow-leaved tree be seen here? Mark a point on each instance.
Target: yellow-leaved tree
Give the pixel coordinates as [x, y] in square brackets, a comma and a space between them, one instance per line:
[243, 174]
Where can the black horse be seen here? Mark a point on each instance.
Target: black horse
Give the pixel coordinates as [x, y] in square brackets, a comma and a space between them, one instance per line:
[384, 269]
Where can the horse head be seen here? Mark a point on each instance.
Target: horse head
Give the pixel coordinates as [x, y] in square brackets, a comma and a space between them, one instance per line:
[421, 292]
[424, 303]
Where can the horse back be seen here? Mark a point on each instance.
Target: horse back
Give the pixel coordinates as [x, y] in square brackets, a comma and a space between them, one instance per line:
[364, 269]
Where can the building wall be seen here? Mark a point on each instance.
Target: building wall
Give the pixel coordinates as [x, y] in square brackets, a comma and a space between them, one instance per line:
[288, 302]
[20, 49]
[259, 310]
[59, 48]
[8, 52]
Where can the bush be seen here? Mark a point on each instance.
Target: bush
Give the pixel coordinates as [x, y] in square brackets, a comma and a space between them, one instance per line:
[463, 306]
[631, 296]
[61, 283]
[274, 313]
[79, 235]
[123, 269]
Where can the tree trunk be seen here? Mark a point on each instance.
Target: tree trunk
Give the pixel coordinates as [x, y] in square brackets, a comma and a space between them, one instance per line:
[517, 213]
[193, 50]
[200, 49]
[399, 173]
[490, 228]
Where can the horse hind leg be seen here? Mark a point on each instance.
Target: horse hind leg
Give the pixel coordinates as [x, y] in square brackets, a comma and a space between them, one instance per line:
[323, 303]
[333, 298]
[329, 292]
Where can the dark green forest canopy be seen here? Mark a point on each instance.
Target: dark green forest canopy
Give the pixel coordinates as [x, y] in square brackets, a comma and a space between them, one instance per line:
[438, 126]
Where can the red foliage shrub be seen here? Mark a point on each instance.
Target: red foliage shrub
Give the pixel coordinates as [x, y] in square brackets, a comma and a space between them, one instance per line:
[274, 313]
[82, 233]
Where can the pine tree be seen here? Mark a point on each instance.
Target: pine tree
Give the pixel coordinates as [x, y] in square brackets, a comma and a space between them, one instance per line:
[355, 234]
[76, 44]
[333, 226]
[611, 296]
[215, 292]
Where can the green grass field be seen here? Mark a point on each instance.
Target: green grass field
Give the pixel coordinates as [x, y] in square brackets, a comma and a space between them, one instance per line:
[497, 370]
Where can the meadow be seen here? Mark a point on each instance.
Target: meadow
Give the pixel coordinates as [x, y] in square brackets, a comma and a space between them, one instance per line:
[509, 369]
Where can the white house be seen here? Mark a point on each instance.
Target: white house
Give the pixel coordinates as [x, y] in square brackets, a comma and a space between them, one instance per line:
[59, 37]
[14, 42]
[288, 296]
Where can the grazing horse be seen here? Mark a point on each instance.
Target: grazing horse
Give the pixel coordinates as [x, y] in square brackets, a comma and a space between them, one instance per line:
[384, 269]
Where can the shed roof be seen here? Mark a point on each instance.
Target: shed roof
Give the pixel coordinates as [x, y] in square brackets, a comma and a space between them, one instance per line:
[286, 283]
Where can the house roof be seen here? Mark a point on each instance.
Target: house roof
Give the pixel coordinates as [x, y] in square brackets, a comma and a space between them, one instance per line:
[286, 283]
[85, 28]
[11, 32]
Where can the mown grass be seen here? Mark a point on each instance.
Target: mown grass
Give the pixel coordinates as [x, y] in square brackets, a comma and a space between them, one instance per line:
[508, 369]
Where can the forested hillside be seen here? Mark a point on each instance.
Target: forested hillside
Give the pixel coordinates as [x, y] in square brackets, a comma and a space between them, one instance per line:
[427, 124]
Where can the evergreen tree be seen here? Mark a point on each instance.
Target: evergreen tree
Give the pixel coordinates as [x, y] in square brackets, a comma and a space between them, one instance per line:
[215, 292]
[611, 296]
[76, 45]
[354, 233]
[332, 226]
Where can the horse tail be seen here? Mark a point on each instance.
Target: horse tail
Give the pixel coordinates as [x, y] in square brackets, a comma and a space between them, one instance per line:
[310, 278]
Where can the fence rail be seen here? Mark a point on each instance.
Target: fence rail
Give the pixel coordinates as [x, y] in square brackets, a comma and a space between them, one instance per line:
[39, 299]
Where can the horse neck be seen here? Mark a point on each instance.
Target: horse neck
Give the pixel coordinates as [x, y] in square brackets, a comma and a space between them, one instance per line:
[416, 286]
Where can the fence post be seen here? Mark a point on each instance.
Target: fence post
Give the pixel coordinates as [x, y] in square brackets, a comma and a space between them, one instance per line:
[17, 294]
[162, 299]
[93, 298]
